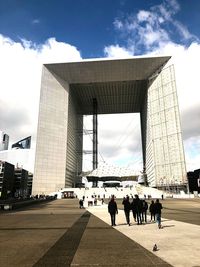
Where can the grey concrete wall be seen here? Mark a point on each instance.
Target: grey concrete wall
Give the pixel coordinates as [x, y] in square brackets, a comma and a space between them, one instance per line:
[74, 142]
[50, 160]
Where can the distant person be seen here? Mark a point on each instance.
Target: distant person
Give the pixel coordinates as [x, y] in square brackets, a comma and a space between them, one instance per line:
[144, 210]
[152, 211]
[80, 203]
[134, 209]
[138, 203]
[157, 208]
[112, 209]
[127, 208]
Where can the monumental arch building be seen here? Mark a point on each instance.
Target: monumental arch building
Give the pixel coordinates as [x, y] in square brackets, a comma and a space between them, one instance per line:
[136, 85]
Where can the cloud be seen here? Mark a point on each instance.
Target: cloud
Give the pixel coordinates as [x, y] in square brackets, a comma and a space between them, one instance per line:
[184, 31]
[117, 52]
[192, 146]
[20, 68]
[35, 21]
[16, 119]
[167, 9]
[191, 122]
[53, 51]
[119, 140]
[152, 32]
[151, 29]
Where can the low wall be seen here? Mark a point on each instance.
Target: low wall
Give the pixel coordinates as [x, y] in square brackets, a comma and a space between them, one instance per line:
[12, 205]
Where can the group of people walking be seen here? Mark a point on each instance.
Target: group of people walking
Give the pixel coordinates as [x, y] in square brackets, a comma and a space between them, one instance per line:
[139, 209]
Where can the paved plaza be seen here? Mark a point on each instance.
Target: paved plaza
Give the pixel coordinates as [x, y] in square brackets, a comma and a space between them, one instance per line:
[58, 233]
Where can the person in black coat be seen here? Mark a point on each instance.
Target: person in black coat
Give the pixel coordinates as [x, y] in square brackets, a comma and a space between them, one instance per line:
[81, 204]
[138, 203]
[144, 210]
[152, 210]
[133, 208]
[112, 209]
[127, 208]
[157, 208]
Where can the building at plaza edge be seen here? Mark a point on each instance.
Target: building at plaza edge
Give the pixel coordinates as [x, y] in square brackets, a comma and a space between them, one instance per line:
[91, 87]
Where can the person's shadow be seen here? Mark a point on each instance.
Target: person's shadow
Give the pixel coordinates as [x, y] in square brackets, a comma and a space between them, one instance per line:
[165, 226]
[118, 224]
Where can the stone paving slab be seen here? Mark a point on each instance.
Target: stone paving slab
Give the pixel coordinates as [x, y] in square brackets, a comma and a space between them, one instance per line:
[27, 234]
[61, 234]
[178, 242]
[102, 245]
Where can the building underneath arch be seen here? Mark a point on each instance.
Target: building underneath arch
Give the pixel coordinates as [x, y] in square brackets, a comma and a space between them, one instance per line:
[91, 87]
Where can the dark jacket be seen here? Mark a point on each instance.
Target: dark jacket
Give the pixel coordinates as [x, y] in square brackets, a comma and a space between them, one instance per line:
[144, 205]
[133, 205]
[138, 203]
[157, 208]
[151, 208]
[112, 207]
[127, 204]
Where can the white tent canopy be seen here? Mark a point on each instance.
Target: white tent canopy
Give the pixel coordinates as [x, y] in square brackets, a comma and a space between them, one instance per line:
[106, 170]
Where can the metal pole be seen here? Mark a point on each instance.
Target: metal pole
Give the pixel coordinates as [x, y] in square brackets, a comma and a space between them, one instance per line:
[95, 136]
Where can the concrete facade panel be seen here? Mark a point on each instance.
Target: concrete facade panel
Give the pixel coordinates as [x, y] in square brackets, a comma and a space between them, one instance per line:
[49, 174]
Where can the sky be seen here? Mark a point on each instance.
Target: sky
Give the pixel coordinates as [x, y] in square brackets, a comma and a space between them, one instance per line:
[35, 32]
